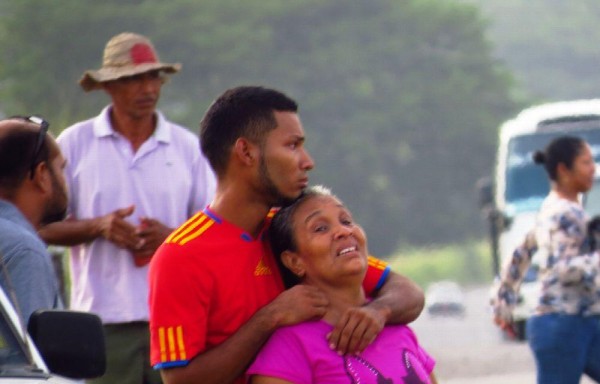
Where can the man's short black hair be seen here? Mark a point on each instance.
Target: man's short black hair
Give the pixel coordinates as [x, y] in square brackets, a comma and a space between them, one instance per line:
[17, 144]
[246, 111]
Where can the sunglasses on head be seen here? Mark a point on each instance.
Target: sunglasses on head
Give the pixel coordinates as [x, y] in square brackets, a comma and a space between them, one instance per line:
[44, 125]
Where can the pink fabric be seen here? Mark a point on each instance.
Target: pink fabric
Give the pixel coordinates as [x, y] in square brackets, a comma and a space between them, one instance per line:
[300, 354]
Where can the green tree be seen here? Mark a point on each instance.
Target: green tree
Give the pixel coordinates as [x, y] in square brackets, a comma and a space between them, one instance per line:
[400, 99]
[551, 45]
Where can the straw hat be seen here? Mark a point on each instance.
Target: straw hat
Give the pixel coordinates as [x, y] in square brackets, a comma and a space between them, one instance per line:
[126, 54]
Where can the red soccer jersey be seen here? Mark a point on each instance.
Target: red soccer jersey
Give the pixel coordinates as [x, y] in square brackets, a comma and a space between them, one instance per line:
[206, 280]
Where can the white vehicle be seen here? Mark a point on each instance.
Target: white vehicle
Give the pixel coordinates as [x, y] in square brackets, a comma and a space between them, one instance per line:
[591, 201]
[445, 298]
[513, 197]
[59, 346]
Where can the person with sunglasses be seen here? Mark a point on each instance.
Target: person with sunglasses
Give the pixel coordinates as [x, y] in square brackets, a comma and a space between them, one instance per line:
[133, 177]
[33, 193]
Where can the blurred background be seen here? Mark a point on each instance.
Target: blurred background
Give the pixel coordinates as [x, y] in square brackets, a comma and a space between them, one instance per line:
[401, 100]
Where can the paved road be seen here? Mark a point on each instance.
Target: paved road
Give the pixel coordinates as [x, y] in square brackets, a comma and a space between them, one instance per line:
[471, 350]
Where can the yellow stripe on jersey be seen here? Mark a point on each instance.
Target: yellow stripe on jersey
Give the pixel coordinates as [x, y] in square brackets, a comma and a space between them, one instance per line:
[188, 224]
[171, 344]
[162, 344]
[191, 229]
[376, 263]
[172, 350]
[194, 235]
[180, 343]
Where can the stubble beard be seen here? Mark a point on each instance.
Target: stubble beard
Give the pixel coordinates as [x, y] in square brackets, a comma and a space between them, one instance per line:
[274, 196]
[56, 209]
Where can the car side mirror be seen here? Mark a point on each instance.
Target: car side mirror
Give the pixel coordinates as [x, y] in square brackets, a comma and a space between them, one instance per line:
[71, 343]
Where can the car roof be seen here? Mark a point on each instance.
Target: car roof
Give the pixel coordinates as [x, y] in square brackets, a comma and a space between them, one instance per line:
[528, 120]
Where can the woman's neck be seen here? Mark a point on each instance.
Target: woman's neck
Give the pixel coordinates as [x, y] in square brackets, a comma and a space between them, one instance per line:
[340, 300]
[566, 193]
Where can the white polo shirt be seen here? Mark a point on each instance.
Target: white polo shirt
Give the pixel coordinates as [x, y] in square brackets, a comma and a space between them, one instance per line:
[166, 179]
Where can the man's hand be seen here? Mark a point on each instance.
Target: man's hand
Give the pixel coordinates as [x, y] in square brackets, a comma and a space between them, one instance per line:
[356, 329]
[114, 228]
[152, 233]
[297, 304]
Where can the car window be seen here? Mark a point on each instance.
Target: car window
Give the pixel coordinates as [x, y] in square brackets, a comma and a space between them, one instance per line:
[591, 200]
[12, 350]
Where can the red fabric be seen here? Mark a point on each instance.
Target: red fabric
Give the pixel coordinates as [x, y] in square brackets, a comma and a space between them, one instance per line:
[205, 282]
[200, 288]
[142, 53]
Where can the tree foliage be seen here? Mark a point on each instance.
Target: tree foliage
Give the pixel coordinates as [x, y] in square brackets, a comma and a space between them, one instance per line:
[551, 45]
[400, 99]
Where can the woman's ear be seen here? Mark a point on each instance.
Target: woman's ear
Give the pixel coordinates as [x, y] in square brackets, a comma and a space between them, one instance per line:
[562, 172]
[294, 263]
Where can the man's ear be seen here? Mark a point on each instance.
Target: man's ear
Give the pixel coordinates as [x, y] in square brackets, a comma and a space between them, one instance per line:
[245, 150]
[42, 178]
[294, 263]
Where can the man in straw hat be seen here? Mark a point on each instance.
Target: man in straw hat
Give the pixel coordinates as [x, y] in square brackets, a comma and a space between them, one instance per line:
[133, 176]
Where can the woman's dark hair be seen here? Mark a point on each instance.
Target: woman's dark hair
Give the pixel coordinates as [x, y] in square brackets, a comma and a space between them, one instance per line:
[562, 150]
[281, 230]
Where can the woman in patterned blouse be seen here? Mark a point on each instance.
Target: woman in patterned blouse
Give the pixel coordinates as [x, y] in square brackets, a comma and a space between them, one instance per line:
[564, 333]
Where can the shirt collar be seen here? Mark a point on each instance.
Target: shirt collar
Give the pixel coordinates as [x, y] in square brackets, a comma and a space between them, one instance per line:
[103, 126]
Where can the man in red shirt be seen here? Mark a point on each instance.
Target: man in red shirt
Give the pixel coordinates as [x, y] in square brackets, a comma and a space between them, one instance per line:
[215, 291]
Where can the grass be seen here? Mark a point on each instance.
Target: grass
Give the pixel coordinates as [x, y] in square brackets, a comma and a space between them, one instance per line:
[468, 264]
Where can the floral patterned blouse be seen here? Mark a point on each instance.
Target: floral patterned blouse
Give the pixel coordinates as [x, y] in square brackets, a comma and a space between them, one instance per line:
[570, 279]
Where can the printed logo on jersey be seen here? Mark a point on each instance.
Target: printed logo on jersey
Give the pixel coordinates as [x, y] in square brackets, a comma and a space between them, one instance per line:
[170, 341]
[193, 228]
[262, 269]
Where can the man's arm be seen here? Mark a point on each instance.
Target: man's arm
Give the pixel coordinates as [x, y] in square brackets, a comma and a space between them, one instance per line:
[400, 298]
[229, 360]
[112, 226]
[399, 301]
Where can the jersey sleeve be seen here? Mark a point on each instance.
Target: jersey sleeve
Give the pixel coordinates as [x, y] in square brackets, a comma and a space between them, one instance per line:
[179, 305]
[283, 357]
[377, 273]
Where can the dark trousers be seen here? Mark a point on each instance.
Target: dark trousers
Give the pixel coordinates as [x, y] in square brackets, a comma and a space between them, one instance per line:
[128, 355]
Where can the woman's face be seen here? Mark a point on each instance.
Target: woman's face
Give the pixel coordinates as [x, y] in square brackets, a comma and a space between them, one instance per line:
[581, 175]
[331, 246]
